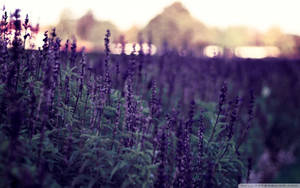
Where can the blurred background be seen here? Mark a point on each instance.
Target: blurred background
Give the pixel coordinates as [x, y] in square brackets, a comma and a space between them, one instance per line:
[249, 28]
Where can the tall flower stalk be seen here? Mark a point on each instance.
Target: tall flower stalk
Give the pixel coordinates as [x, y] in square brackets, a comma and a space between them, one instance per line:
[222, 100]
[107, 76]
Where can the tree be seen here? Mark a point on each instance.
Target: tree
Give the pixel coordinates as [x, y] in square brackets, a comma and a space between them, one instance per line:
[177, 27]
[275, 37]
[66, 25]
[237, 36]
[85, 24]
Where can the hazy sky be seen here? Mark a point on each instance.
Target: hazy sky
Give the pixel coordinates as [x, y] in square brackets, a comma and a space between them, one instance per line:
[260, 14]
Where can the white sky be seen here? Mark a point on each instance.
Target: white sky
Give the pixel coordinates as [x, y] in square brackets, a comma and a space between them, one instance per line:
[260, 14]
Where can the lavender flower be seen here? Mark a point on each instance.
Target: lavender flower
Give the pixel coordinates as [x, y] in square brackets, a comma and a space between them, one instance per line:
[46, 44]
[161, 180]
[154, 100]
[141, 58]
[56, 67]
[17, 21]
[130, 108]
[117, 122]
[73, 53]
[233, 117]
[222, 100]
[250, 112]
[249, 122]
[53, 33]
[180, 168]
[100, 102]
[251, 108]
[154, 105]
[187, 159]
[79, 93]
[190, 121]
[67, 89]
[4, 26]
[4, 56]
[26, 23]
[89, 92]
[66, 50]
[26, 26]
[45, 101]
[198, 169]
[122, 41]
[117, 74]
[107, 78]
[13, 75]
[56, 71]
[32, 109]
[222, 97]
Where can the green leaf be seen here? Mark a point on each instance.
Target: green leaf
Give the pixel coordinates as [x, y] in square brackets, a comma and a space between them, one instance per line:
[119, 166]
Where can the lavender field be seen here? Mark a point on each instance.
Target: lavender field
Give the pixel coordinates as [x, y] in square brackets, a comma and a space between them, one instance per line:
[69, 118]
